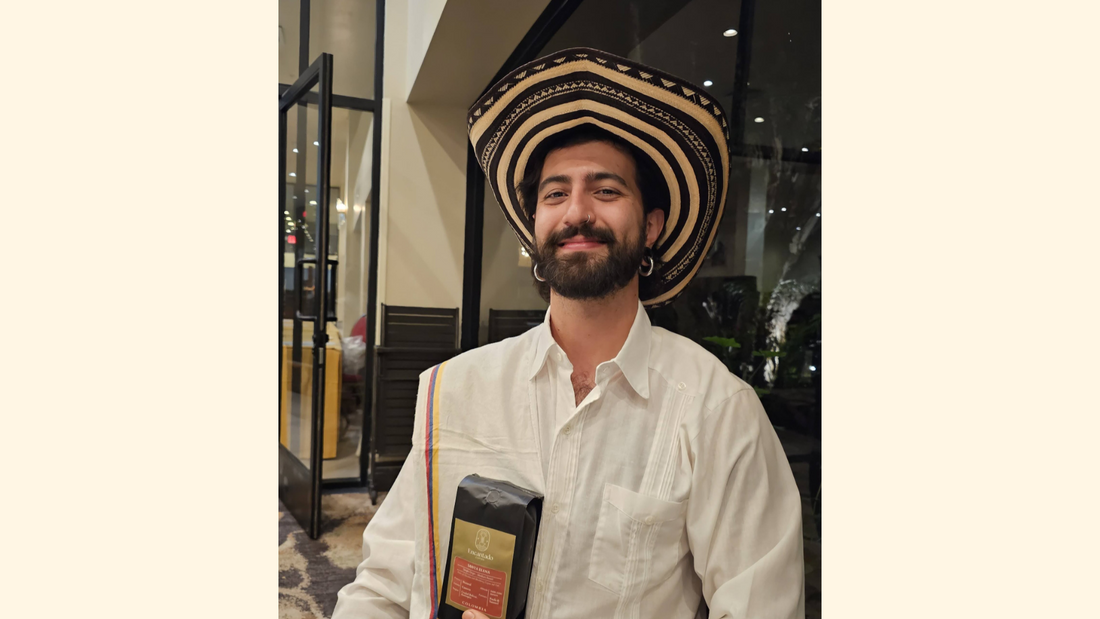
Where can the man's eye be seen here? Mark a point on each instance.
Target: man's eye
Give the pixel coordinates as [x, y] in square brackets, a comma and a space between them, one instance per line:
[607, 191]
[554, 194]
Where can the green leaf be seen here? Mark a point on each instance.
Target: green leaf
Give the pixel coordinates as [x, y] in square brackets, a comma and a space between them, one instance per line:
[728, 342]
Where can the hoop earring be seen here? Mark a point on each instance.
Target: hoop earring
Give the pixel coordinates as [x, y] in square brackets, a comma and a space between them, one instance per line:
[643, 270]
[536, 271]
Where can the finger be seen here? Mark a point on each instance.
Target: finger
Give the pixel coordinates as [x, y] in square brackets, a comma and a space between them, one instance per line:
[473, 614]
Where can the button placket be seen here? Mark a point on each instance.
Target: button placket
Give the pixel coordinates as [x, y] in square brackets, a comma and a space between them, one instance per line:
[563, 466]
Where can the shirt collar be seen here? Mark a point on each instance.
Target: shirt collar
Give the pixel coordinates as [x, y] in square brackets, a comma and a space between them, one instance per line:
[544, 343]
[632, 360]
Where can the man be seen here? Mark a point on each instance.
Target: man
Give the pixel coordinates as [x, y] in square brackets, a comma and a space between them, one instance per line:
[666, 491]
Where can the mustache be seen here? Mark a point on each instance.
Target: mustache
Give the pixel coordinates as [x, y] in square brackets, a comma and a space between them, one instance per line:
[586, 230]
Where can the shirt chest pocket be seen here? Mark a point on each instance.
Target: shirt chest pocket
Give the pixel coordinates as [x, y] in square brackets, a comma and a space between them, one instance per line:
[635, 534]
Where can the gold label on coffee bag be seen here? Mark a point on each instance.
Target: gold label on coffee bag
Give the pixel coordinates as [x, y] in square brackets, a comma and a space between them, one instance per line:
[481, 568]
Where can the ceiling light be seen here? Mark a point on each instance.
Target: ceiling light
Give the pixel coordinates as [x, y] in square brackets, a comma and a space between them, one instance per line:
[708, 83]
[771, 210]
[798, 228]
[819, 214]
[813, 368]
[316, 143]
[313, 203]
[759, 119]
[805, 150]
[295, 150]
[293, 174]
[784, 209]
[729, 33]
[307, 191]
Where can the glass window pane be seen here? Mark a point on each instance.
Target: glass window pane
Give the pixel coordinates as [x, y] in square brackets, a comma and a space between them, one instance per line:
[350, 183]
[296, 412]
[784, 80]
[349, 235]
[506, 279]
[347, 30]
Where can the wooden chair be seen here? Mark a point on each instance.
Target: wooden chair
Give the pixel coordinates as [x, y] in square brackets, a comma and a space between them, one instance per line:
[504, 324]
[419, 327]
[413, 339]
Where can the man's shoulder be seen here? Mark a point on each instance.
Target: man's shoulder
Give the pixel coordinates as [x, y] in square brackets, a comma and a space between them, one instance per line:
[491, 361]
[687, 366]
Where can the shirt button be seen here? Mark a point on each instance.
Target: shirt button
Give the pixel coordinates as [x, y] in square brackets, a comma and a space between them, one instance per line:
[567, 428]
[681, 386]
[555, 509]
[649, 520]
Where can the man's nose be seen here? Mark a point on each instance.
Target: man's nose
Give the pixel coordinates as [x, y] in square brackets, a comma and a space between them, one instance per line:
[580, 209]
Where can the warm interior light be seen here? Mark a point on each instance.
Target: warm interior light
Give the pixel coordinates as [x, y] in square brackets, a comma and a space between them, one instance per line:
[313, 203]
[759, 119]
[708, 83]
[340, 206]
[805, 150]
[730, 33]
[295, 150]
[316, 143]
[293, 174]
[771, 210]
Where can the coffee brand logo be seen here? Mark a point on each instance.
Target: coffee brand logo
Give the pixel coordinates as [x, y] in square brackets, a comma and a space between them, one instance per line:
[482, 540]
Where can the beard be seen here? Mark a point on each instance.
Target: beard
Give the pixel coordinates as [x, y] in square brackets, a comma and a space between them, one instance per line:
[580, 275]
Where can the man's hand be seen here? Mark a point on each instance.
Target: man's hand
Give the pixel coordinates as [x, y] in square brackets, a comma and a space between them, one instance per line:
[473, 614]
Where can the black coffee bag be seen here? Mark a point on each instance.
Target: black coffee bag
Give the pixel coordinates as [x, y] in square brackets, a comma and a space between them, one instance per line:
[492, 549]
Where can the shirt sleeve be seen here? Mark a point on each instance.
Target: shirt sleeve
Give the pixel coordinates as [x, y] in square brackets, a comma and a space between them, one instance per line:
[383, 581]
[744, 516]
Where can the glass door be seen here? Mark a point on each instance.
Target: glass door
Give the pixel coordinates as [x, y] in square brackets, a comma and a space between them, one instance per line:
[308, 342]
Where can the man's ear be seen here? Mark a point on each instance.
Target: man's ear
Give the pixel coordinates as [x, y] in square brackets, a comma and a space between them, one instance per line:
[654, 224]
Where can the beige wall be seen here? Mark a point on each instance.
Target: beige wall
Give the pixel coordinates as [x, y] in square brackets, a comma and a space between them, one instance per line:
[459, 44]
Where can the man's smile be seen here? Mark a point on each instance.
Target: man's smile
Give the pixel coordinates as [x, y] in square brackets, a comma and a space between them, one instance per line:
[580, 242]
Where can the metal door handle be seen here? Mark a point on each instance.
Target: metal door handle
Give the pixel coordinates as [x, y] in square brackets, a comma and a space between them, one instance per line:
[299, 271]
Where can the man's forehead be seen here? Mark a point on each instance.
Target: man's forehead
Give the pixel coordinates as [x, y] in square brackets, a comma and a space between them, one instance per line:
[589, 161]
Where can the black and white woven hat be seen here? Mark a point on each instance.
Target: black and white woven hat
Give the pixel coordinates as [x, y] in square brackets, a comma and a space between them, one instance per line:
[678, 124]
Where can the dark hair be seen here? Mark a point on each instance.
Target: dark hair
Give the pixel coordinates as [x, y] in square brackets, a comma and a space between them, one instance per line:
[651, 183]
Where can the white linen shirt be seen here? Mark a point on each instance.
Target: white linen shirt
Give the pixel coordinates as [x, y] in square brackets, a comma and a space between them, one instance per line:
[665, 487]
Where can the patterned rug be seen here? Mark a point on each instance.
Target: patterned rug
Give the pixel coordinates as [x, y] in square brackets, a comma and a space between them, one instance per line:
[312, 571]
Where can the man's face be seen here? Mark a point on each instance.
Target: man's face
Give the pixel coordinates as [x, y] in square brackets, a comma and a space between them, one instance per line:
[595, 182]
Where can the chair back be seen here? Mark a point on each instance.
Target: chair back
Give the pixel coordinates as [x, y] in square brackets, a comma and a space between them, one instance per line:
[509, 323]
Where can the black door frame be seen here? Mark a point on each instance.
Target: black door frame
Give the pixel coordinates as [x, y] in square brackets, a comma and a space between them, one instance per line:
[373, 105]
[292, 478]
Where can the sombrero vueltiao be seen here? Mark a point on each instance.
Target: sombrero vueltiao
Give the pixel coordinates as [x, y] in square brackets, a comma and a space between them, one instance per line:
[678, 124]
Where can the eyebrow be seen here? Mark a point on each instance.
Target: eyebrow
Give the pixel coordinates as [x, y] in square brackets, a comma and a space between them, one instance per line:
[591, 177]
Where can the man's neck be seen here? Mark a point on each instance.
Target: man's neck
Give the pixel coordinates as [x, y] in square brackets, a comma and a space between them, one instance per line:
[591, 332]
